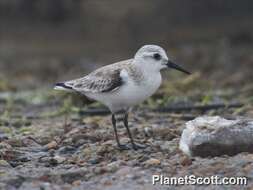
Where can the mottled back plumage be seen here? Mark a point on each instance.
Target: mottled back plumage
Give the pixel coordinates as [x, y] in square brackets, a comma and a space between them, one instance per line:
[104, 79]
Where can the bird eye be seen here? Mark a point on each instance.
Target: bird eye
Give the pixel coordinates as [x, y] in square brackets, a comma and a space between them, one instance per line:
[157, 56]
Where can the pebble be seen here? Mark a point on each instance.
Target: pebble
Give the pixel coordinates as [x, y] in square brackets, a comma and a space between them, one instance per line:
[77, 183]
[51, 145]
[4, 164]
[99, 170]
[185, 161]
[4, 145]
[152, 162]
[124, 171]
[169, 146]
[59, 159]
[113, 166]
[3, 137]
[67, 150]
[94, 161]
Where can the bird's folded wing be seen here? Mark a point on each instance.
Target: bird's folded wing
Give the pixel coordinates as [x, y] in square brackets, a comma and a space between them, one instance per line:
[106, 80]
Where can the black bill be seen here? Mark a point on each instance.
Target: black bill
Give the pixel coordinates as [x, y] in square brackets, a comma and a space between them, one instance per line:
[172, 65]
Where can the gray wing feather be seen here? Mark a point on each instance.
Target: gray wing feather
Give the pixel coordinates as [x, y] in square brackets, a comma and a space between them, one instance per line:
[105, 79]
[97, 83]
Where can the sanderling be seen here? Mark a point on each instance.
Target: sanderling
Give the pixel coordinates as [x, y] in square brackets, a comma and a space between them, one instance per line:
[121, 85]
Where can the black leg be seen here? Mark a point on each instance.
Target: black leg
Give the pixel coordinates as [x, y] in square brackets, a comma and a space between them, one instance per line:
[122, 147]
[128, 131]
[135, 146]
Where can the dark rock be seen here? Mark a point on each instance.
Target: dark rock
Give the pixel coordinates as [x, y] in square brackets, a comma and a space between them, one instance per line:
[73, 175]
[94, 161]
[67, 150]
[3, 137]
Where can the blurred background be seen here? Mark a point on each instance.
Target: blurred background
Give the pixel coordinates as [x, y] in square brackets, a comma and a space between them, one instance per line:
[45, 41]
[55, 140]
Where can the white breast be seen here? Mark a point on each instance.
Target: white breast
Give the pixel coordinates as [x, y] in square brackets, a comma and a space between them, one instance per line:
[130, 94]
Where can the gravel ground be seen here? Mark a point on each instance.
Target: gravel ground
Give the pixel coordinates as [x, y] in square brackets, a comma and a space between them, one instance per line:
[79, 152]
[47, 142]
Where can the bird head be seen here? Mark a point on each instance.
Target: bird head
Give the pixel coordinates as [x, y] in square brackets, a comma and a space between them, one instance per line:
[153, 57]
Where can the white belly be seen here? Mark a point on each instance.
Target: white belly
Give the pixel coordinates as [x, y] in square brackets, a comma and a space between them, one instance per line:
[129, 94]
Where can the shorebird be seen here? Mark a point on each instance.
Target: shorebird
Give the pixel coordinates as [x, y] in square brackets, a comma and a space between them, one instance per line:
[124, 84]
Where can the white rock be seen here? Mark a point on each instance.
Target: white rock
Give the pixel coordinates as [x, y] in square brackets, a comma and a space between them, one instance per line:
[214, 136]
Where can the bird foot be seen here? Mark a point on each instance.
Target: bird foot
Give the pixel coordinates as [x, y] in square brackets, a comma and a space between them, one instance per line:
[123, 147]
[138, 146]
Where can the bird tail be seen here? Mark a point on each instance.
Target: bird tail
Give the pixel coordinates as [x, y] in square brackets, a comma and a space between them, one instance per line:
[62, 86]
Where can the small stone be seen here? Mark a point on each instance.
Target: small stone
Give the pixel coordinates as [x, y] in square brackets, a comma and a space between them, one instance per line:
[51, 145]
[30, 142]
[16, 142]
[66, 141]
[186, 161]
[76, 183]
[4, 145]
[109, 143]
[169, 146]
[94, 161]
[107, 182]
[4, 164]
[99, 170]
[113, 166]
[152, 162]
[3, 137]
[59, 159]
[124, 140]
[67, 150]
[148, 132]
[124, 171]
[72, 132]
[45, 159]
